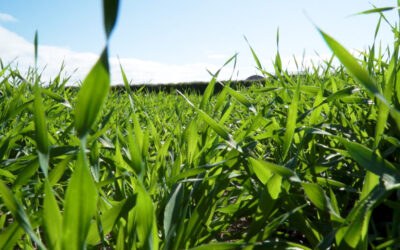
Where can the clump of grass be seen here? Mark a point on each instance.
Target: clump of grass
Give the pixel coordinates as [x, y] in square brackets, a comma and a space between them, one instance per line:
[305, 161]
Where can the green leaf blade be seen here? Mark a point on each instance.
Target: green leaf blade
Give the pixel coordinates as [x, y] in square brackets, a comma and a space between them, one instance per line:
[80, 206]
[92, 95]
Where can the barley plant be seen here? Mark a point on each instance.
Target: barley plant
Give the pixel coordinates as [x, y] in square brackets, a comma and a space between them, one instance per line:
[303, 161]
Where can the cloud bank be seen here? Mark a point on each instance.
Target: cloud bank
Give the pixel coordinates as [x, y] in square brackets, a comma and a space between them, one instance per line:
[7, 18]
[14, 48]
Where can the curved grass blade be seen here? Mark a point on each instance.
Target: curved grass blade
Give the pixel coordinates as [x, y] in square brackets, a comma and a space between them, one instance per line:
[383, 114]
[110, 12]
[353, 67]
[254, 55]
[318, 197]
[53, 95]
[241, 98]
[377, 10]
[218, 128]
[263, 174]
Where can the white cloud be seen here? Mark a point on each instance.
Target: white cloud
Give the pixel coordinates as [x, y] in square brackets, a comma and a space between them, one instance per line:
[155, 72]
[218, 56]
[12, 46]
[7, 18]
[50, 58]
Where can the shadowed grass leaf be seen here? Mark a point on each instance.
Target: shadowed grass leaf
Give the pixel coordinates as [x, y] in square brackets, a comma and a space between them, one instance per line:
[18, 213]
[172, 211]
[371, 161]
[110, 13]
[11, 235]
[35, 43]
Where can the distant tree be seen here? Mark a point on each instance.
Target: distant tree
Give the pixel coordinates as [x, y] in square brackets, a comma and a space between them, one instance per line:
[255, 77]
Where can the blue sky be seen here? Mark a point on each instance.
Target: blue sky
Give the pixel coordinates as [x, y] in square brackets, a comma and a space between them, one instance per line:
[176, 40]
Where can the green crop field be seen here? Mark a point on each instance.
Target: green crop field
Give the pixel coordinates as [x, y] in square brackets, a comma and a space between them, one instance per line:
[306, 161]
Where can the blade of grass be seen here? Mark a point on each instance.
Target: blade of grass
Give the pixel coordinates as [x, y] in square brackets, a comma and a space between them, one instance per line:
[42, 140]
[218, 128]
[52, 218]
[291, 122]
[353, 67]
[92, 95]
[80, 206]
[110, 13]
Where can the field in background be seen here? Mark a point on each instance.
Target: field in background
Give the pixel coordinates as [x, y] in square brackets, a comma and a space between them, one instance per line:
[306, 161]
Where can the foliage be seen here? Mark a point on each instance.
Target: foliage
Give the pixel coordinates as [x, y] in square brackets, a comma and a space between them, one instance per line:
[304, 161]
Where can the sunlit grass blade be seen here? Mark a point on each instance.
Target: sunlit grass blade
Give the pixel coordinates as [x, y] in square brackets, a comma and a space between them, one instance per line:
[145, 220]
[191, 137]
[209, 90]
[135, 152]
[52, 218]
[388, 88]
[42, 140]
[127, 86]
[40, 120]
[53, 95]
[353, 67]
[80, 206]
[318, 197]
[92, 95]
[291, 123]
[254, 54]
[263, 173]
[241, 98]
[125, 79]
[219, 129]
[271, 167]
[377, 10]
